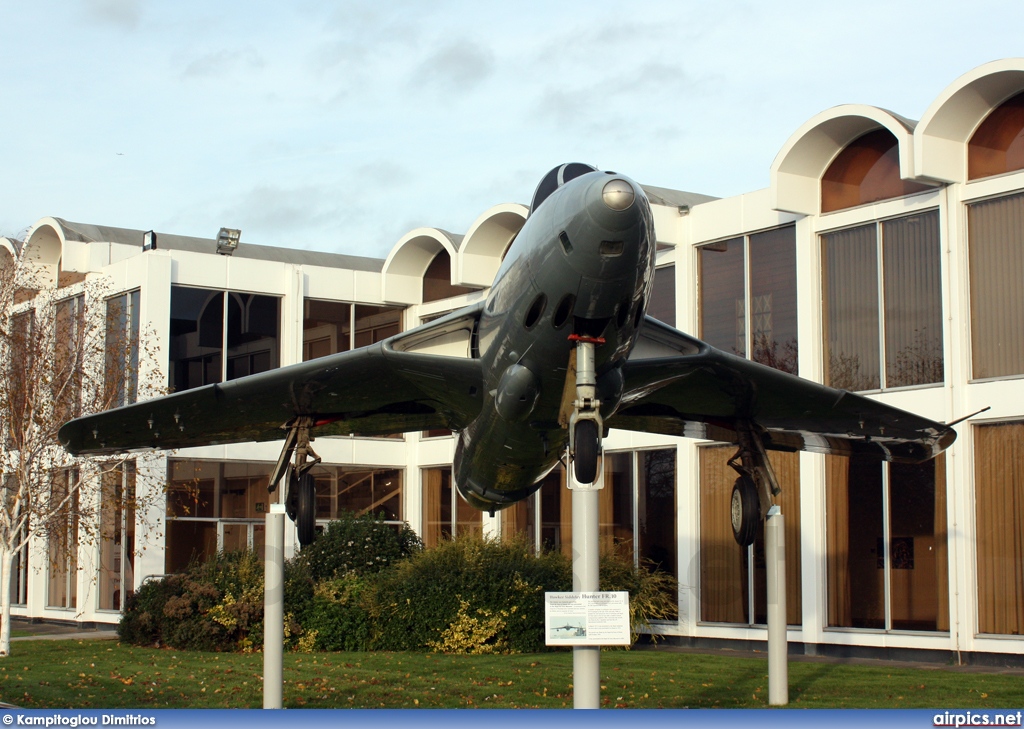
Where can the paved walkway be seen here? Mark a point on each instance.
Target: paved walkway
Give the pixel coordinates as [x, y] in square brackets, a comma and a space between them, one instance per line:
[59, 631]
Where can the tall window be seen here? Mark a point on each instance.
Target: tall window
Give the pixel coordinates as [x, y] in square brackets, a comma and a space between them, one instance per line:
[329, 327]
[996, 256]
[867, 170]
[663, 295]
[999, 526]
[886, 545]
[117, 537]
[69, 351]
[218, 336]
[748, 300]
[62, 540]
[998, 144]
[445, 514]
[733, 579]
[121, 350]
[883, 323]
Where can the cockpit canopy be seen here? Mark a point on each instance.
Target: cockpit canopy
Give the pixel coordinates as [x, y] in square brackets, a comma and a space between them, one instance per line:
[556, 178]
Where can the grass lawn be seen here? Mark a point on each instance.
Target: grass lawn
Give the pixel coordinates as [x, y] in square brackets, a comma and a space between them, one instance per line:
[106, 674]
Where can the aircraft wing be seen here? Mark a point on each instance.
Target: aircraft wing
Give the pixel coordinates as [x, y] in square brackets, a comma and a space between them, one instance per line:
[679, 385]
[425, 378]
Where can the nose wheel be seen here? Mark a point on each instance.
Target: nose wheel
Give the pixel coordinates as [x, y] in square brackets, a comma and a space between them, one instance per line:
[585, 424]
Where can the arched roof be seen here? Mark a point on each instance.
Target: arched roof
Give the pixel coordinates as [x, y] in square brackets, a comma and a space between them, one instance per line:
[946, 127]
[44, 247]
[485, 243]
[799, 165]
[408, 261]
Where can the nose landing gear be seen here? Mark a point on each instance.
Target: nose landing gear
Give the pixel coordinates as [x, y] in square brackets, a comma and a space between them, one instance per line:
[300, 498]
[585, 423]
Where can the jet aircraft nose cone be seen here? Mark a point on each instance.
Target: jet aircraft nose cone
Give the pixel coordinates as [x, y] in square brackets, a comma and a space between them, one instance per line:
[618, 194]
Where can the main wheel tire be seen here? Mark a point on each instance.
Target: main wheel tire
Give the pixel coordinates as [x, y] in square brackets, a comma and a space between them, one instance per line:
[306, 512]
[745, 511]
[585, 459]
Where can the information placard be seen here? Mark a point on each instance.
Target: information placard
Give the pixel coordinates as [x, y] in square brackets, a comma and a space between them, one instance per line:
[586, 618]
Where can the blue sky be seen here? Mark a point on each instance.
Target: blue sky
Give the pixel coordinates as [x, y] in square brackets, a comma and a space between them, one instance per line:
[339, 126]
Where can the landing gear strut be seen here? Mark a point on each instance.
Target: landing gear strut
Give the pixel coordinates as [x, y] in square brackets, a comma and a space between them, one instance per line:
[753, 492]
[300, 499]
[585, 424]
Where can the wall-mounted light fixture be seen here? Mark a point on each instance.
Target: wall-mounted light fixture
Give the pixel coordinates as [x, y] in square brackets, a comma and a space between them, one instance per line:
[149, 241]
[227, 240]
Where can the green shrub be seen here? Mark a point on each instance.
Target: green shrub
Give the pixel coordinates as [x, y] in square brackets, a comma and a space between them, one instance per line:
[336, 618]
[465, 595]
[362, 544]
[143, 621]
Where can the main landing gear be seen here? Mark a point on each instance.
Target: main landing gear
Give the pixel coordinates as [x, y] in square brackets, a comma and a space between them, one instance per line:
[300, 498]
[755, 487]
[585, 424]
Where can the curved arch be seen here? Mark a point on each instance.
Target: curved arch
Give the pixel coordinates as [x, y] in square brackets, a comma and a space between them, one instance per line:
[485, 243]
[947, 125]
[409, 259]
[799, 165]
[44, 248]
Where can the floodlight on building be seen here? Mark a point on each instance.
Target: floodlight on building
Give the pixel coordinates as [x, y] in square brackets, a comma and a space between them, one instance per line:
[149, 241]
[227, 240]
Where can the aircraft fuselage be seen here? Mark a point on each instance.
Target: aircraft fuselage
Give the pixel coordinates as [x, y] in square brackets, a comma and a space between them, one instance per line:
[582, 264]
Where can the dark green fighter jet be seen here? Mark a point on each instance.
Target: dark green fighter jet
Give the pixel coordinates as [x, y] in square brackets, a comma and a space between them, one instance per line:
[559, 352]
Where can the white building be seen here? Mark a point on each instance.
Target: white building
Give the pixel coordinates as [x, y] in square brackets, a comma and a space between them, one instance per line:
[886, 256]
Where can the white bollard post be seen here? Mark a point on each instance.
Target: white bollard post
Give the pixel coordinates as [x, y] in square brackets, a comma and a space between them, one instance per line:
[586, 660]
[273, 610]
[775, 562]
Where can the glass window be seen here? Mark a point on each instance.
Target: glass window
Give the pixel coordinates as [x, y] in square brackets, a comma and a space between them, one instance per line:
[998, 144]
[996, 259]
[359, 491]
[999, 526]
[207, 347]
[663, 295]
[437, 280]
[906, 306]
[445, 514]
[121, 350]
[117, 537]
[867, 170]
[62, 540]
[326, 328]
[69, 350]
[886, 545]
[733, 578]
[751, 279]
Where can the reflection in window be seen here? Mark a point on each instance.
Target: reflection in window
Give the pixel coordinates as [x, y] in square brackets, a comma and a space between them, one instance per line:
[213, 342]
[751, 313]
[663, 295]
[329, 327]
[69, 352]
[117, 537]
[866, 171]
[358, 491]
[886, 545]
[445, 514]
[998, 144]
[907, 307]
[996, 256]
[999, 526]
[733, 579]
[62, 540]
[121, 350]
